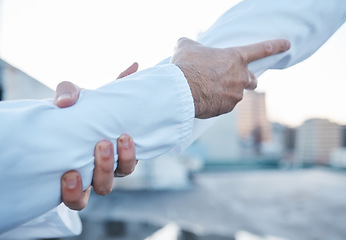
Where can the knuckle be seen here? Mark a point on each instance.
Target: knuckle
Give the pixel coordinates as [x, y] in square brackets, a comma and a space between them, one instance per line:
[242, 55]
[240, 97]
[254, 85]
[231, 107]
[107, 170]
[182, 39]
[245, 81]
[181, 42]
[268, 48]
[105, 165]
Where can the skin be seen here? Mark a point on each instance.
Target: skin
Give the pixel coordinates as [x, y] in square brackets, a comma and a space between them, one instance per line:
[71, 182]
[217, 79]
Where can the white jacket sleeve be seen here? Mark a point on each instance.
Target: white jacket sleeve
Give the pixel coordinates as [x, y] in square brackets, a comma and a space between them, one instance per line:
[307, 24]
[40, 142]
[59, 222]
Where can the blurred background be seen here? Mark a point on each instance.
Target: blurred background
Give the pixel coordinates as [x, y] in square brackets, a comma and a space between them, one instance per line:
[274, 168]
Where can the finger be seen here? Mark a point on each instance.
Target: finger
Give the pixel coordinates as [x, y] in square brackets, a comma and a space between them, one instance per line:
[132, 69]
[66, 94]
[127, 156]
[260, 50]
[72, 191]
[252, 85]
[104, 165]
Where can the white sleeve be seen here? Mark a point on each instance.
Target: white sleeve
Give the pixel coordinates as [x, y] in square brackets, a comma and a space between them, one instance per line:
[307, 24]
[59, 222]
[40, 142]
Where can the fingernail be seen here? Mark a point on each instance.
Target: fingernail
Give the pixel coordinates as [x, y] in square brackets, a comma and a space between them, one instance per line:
[105, 150]
[64, 96]
[71, 182]
[124, 142]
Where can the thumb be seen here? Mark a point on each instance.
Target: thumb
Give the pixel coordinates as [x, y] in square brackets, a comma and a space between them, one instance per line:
[66, 94]
[131, 69]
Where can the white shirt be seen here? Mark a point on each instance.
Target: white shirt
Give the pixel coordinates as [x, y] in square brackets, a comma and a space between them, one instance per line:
[40, 142]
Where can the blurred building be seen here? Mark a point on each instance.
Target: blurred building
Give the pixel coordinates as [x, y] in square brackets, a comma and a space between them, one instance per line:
[241, 135]
[15, 84]
[289, 141]
[1, 89]
[220, 142]
[0, 20]
[276, 146]
[338, 157]
[253, 126]
[343, 133]
[316, 139]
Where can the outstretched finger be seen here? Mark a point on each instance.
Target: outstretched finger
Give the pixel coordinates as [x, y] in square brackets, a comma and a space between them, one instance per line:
[264, 49]
[66, 94]
[132, 69]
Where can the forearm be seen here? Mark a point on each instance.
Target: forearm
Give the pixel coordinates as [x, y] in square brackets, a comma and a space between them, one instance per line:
[306, 24]
[40, 141]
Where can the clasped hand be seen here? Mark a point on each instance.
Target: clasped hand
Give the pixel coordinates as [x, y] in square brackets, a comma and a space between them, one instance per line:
[217, 79]
[71, 182]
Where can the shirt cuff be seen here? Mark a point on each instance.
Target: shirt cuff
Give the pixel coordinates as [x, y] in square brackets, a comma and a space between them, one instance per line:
[187, 107]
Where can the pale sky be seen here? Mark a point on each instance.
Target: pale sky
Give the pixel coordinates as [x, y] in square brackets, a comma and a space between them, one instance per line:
[89, 42]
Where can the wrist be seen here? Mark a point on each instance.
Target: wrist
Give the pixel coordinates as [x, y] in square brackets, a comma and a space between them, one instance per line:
[193, 84]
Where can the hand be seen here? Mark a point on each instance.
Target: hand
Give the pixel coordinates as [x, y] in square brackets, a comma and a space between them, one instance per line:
[218, 77]
[71, 182]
